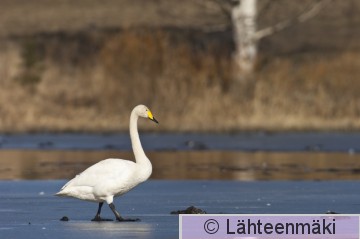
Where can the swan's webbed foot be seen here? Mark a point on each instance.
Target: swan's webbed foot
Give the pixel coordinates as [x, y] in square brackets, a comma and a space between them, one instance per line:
[120, 218]
[127, 219]
[97, 218]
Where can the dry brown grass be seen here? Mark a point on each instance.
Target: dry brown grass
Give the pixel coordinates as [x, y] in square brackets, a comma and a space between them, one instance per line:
[318, 93]
[90, 83]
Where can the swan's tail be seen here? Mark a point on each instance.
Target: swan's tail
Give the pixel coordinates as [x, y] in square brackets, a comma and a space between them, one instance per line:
[71, 189]
[60, 194]
[64, 191]
[80, 192]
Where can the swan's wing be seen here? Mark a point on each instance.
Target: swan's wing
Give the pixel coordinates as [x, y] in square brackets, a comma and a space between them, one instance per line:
[108, 169]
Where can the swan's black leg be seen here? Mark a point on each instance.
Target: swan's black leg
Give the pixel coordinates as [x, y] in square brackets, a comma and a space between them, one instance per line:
[118, 217]
[97, 217]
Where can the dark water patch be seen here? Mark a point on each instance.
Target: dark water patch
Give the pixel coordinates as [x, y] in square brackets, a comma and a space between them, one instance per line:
[208, 165]
[249, 142]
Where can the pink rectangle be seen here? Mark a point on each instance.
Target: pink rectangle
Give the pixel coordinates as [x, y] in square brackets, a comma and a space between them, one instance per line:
[269, 226]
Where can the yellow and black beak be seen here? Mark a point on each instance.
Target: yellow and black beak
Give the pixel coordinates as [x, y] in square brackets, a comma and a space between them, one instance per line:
[151, 117]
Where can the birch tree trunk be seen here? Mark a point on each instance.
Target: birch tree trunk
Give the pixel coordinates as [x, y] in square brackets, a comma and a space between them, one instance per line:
[244, 26]
[247, 36]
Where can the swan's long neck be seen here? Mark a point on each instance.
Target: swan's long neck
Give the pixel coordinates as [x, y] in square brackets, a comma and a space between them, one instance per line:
[139, 153]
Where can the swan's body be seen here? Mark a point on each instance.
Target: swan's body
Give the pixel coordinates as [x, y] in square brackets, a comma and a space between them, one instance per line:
[106, 179]
[109, 178]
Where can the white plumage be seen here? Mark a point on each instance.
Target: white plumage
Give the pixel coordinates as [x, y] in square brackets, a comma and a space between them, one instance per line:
[109, 178]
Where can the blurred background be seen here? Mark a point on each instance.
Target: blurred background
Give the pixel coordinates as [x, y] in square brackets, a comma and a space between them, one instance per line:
[202, 66]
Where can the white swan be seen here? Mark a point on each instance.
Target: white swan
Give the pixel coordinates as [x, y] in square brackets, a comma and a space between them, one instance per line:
[113, 177]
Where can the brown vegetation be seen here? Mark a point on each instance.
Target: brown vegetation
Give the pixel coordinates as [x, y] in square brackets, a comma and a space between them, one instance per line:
[90, 82]
[66, 67]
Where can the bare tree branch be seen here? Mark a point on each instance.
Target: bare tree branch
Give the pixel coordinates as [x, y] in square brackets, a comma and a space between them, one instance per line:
[304, 16]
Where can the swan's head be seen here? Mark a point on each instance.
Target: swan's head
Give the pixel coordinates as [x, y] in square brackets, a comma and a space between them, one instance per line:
[144, 111]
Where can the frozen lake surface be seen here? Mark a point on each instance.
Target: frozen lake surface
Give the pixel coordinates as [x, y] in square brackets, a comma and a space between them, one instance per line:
[29, 210]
